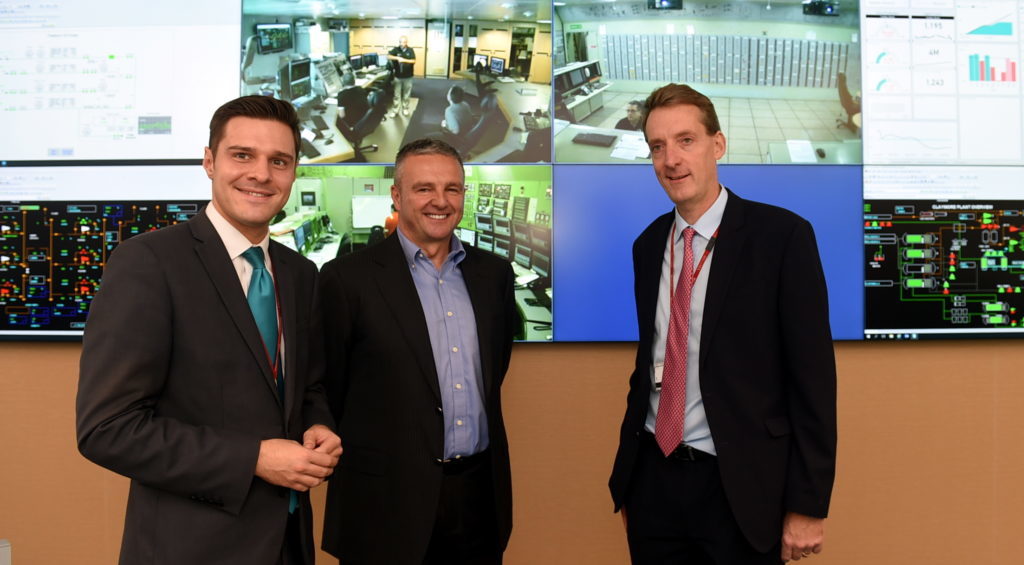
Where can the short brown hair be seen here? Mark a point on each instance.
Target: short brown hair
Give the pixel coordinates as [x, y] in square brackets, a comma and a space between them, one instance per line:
[675, 94]
[255, 106]
[425, 146]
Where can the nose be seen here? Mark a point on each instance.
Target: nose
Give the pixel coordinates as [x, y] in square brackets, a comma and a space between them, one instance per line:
[259, 170]
[672, 154]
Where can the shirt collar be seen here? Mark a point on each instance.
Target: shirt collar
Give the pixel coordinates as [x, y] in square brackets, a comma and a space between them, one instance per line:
[456, 252]
[708, 223]
[234, 241]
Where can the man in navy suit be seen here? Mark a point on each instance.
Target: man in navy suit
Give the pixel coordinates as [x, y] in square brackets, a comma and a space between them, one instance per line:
[419, 332]
[220, 421]
[727, 449]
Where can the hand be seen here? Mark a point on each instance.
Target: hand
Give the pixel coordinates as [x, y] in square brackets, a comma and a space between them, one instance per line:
[321, 439]
[285, 463]
[801, 536]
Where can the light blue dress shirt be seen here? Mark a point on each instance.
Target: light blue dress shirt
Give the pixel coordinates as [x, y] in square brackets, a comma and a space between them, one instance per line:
[696, 432]
[453, 340]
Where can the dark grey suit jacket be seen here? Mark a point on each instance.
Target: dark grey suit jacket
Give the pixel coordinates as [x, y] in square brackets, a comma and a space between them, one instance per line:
[767, 368]
[384, 393]
[176, 393]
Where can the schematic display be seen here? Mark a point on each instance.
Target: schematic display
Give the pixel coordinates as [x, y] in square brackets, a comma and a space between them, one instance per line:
[52, 254]
[936, 268]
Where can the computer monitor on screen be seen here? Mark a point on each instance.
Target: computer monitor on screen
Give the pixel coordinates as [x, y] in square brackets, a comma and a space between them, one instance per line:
[382, 59]
[521, 232]
[540, 238]
[369, 60]
[273, 38]
[300, 238]
[502, 248]
[485, 242]
[479, 59]
[484, 223]
[308, 198]
[497, 65]
[502, 226]
[356, 62]
[467, 235]
[523, 255]
[541, 264]
[307, 228]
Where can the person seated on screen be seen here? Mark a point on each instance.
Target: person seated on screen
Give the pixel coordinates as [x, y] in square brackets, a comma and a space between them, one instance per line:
[355, 100]
[633, 116]
[458, 118]
[562, 112]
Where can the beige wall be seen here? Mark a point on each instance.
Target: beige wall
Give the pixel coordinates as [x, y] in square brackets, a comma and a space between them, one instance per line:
[930, 463]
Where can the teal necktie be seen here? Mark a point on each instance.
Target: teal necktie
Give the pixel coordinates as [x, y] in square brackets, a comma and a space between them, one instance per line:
[263, 303]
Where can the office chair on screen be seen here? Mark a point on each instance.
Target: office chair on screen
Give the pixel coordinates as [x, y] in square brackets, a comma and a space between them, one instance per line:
[376, 235]
[364, 111]
[849, 104]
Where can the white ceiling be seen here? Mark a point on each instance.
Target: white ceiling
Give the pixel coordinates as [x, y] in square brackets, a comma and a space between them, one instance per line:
[511, 10]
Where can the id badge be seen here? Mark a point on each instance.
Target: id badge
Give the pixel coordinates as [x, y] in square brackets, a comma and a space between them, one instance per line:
[658, 371]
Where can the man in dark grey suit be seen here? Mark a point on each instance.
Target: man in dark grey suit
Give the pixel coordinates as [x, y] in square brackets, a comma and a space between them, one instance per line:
[216, 413]
[728, 447]
[419, 332]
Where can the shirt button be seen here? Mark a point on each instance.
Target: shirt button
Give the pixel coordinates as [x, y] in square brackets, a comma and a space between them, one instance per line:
[458, 422]
[458, 386]
[450, 314]
[439, 281]
[455, 349]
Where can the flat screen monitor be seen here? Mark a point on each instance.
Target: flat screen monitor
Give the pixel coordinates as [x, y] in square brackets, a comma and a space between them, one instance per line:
[300, 237]
[307, 228]
[308, 198]
[521, 232]
[485, 242]
[502, 248]
[541, 264]
[356, 61]
[299, 69]
[540, 237]
[502, 226]
[576, 77]
[369, 60]
[300, 89]
[382, 59]
[273, 38]
[562, 83]
[497, 65]
[479, 59]
[503, 191]
[593, 71]
[523, 254]
[484, 223]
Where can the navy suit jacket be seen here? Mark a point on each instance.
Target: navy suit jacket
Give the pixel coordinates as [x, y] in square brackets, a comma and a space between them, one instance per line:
[767, 368]
[384, 393]
[175, 392]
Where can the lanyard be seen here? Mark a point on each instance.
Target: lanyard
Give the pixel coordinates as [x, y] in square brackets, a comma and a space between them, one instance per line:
[672, 259]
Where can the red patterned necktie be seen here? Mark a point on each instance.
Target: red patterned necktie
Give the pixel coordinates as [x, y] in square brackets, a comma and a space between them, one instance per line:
[668, 426]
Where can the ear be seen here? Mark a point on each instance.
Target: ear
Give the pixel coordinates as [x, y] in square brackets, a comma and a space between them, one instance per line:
[395, 198]
[719, 145]
[208, 162]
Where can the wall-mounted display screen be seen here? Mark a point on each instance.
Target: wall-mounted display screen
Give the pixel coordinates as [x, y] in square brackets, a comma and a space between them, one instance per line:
[272, 38]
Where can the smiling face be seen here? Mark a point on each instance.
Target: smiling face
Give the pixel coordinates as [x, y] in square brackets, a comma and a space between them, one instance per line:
[685, 157]
[252, 169]
[429, 196]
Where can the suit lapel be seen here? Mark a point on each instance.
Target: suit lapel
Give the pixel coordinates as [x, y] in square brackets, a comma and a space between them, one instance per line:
[284, 274]
[728, 247]
[399, 291]
[477, 285]
[214, 257]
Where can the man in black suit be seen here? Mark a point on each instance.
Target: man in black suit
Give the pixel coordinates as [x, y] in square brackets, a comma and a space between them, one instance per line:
[418, 332]
[215, 410]
[727, 449]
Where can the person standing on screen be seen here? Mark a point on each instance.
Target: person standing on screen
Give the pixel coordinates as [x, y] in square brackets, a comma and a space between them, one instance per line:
[633, 114]
[403, 58]
[419, 333]
[727, 449]
[200, 379]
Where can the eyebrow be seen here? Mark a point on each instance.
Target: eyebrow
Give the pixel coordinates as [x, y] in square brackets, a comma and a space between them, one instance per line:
[277, 154]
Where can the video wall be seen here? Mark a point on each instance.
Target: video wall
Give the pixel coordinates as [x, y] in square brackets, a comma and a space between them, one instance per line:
[896, 127]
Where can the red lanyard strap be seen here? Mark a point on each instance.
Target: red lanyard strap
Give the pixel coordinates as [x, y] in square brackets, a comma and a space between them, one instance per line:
[672, 258]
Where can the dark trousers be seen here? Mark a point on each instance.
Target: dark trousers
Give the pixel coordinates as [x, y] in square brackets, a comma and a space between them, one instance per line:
[291, 552]
[465, 530]
[677, 513]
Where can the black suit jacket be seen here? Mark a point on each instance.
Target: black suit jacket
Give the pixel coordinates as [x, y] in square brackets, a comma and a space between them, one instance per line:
[176, 393]
[384, 393]
[767, 369]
